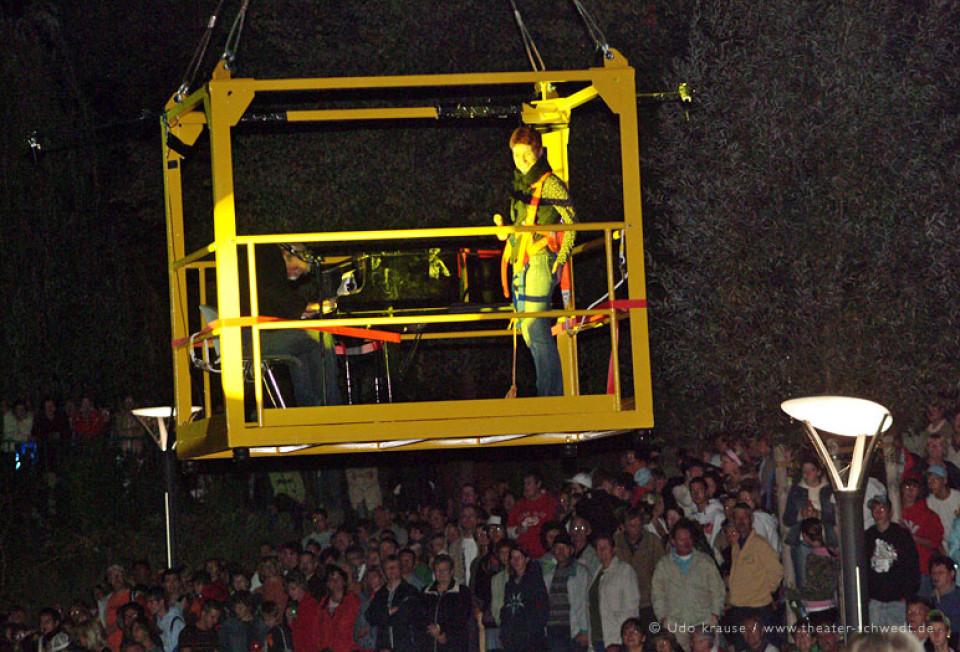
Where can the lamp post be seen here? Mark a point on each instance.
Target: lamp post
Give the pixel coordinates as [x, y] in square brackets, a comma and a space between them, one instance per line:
[146, 416]
[864, 421]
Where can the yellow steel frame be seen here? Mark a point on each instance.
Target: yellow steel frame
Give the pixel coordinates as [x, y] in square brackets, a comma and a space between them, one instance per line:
[218, 107]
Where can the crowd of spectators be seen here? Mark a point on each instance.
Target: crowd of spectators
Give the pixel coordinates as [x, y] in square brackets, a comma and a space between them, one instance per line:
[32, 436]
[627, 556]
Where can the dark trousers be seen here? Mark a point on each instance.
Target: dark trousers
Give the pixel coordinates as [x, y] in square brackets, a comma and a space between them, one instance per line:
[558, 640]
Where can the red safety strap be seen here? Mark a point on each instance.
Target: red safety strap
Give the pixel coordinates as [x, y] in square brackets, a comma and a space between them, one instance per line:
[233, 322]
[620, 305]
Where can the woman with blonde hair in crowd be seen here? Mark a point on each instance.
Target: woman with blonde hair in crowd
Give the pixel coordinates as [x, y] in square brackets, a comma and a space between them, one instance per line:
[90, 636]
[938, 627]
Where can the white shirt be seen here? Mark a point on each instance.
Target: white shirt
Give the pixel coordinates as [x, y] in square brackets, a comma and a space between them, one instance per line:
[946, 509]
[711, 518]
[765, 525]
[470, 551]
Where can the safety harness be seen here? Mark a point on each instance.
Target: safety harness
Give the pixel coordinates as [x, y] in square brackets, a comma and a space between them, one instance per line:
[527, 246]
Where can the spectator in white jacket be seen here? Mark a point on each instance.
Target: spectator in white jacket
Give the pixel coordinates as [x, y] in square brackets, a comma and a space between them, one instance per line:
[687, 588]
[614, 595]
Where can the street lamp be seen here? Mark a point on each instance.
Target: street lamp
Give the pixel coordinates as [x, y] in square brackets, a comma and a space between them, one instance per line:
[146, 416]
[863, 420]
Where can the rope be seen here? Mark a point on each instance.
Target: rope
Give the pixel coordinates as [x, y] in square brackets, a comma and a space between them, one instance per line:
[233, 40]
[594, 30]
[532, 53]
[198, 55]
[512, 392]
[622, 259]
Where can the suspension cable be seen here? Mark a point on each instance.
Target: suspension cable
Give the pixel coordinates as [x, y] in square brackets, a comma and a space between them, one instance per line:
[233, 40]
[594, 30]
[198, 55]
[532, 53]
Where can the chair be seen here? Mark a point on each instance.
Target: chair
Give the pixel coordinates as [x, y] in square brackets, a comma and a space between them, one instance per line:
[267, 362]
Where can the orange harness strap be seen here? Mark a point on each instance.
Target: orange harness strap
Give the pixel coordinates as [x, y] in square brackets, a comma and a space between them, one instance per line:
[526, 245]
[217, 325]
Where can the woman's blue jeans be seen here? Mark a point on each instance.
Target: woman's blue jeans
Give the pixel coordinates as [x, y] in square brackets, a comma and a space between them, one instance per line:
[533, 288]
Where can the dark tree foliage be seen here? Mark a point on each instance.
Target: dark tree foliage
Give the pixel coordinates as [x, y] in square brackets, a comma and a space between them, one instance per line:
[805, 226]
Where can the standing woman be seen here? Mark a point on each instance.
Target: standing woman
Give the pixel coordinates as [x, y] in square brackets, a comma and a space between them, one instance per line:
[526, 605]
[363, 633]
[338, 613]
[613, 597]
[447, 610]
[534, 261]
[809, 498]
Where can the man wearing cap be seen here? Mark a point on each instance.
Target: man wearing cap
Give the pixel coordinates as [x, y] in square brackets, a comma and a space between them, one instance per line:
[943, 500]
[923, 524]
[583, 480]
[894, 572]
[567, 580]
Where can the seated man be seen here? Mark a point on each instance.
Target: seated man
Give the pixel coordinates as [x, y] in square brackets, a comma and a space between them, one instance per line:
[294, 294]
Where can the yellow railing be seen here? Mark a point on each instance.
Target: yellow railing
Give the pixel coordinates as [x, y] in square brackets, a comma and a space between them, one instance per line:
[193, 261]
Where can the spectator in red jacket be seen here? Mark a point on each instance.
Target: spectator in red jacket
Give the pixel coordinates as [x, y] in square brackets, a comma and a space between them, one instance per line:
[306, 624]
[530, 513]
[925, 526]
[338, 614]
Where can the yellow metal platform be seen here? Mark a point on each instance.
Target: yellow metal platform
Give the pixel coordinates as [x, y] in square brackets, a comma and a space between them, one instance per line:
[219, 106]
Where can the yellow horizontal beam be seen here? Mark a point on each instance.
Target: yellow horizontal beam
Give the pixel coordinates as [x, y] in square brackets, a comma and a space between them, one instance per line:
[420, 81]
[432, 429]
[403, 426]
[440, 410]
[331, 115]
[459, 318]
[541, 439]
[423, 234]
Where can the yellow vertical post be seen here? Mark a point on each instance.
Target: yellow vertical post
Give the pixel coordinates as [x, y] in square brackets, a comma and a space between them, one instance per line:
[556, 140]
[614, 334]
[567, 346]
[636, 283]
[173, 204]
[225, 233]
[255, 333]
